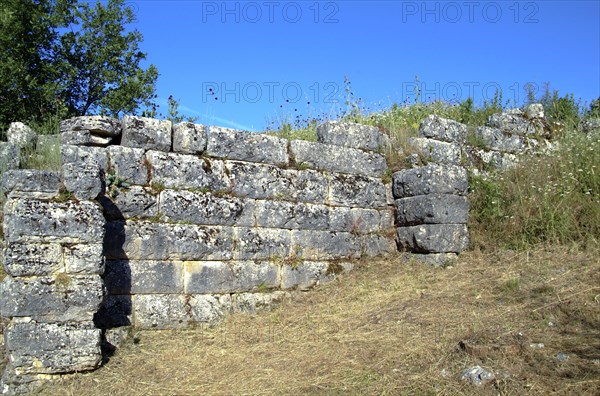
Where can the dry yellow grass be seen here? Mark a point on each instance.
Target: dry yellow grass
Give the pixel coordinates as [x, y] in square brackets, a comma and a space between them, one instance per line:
[390, 327]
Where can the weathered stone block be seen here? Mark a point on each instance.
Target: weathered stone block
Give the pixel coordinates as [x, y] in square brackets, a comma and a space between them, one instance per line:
[290, 215]
[45, 184]
[128, 164]
[143, 277]
[255, 302]
[378, 245]
[267, 181]
[325, 245]
[434, 238]
[27, 220]
[84, 259]
[132, 202]
[337, 159]
[52, 298]
[495, 139]
[364, 221]
[162, 311]
[209, 309]
[436, 151]
[246, 146]
[159, 241]
[430, 179]
[22, 259]
[351, 135]
[189, 138]
[47, 348]
[512, 121]
[84, 138]
[78, 154]
[261, 243]
[146, 133]
[484, 159]
[9, 156]
[436, 127]
[205, 277]
[97, 125]
[83, 180]
[206, 208]
[356, 191]
[21, 135]
[183, 171]
[305, 275]
[432, 209]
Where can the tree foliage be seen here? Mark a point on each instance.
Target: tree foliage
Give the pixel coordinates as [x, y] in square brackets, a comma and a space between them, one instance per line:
[70, 57]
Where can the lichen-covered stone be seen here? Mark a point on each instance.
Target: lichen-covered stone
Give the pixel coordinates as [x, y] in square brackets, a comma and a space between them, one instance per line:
[56, 298]
[256, 302]
[325, 245]
[146, 133]
[432, 209]
[139, 240]
[356, 191]
[27, 220]
[131, 202]
[23, 259]
[261, 243]
[162, 311]
[246, 146]
[128, 164]
[209, 308]
[436, 127]
[83, 180]
[205, 277]
[364, 221]
[481, 159]
[206, 208]
[495, 139]
[337, 159]
[430, 179]
[84, 259]
[96, 125]
[267, 182]
[172, 170]
[189, 138]
[78, 154]
[9, 156]
[436, 151]
[534, 110]
[21, 135]
[512, 121]
[290, 215]
[434, 238]
[305, 275]
[374, 245]
[40, 183]
[351, 135]
[143, 277]
[49, 348]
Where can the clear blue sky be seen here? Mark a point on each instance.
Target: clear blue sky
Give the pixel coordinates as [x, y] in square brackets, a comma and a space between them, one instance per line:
[255, 55]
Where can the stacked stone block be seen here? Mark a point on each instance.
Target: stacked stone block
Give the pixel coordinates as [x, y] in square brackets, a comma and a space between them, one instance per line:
[432, 211]
[54, 261]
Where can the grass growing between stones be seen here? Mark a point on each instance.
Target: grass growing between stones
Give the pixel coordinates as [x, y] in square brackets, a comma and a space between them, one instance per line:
[389, 327]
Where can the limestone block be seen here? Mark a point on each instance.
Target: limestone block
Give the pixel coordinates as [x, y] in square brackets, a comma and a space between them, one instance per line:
[61, 297]
[512, 121]
[434, 238]
[305, 275]
[374, 245]
[161, 311]
[139, 240]
[364, 221]
[432, 209]
[430, 179]
[48, 348]
[351, 135]
[24, 259]
[255, 302]
[209, 308]
[43, 184]
[495, 139]
[84, 259]
[205, 277]
[96, 125]
[261, 243]
[267, 182]
[206, 208]
[436, 151]
[189, 138]
[9, 156]
[78, 154]
[325, 245]
[131, 202]
[337, 159]
[146, 133]
[84, 138]
[172, 170]
[83, 180]
[438, 128]
[27, 220]
[290, 215]
[21, 135]
[356, 191]
[143, 277]
[128, 164]
[246, 146]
